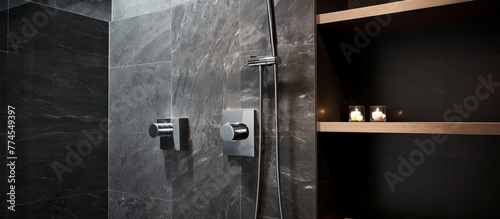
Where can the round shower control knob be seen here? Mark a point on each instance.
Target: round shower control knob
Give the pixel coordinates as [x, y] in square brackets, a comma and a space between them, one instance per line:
[234, 131]
[161, 129]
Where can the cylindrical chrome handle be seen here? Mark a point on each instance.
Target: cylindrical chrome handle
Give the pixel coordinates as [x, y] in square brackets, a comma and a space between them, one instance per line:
[234, 131]
[161, 129]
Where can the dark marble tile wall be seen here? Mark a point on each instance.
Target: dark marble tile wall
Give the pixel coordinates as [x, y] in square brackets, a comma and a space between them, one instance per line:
[4, 22]
[57, 79]
[58, 36]
[89, 205]
[3, 92]
[98, 9]
[296, 85]
[206, 45]
[422, 73]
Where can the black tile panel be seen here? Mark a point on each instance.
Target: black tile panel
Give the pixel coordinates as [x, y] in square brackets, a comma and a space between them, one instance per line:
[51, 33]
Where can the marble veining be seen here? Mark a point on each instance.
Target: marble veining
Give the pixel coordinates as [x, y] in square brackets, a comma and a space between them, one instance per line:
[209, 50]
[69, 96]
[139, 95]
[98, 9]
[60, 35]
[137, 158]
[47, 149]
[130, 8]
[125, 205]
[141, 39]
[88, 205]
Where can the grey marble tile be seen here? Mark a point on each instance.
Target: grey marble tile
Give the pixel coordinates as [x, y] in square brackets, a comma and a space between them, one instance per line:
[232, 87]
[298, 174]
[294, 22]
[254, 26]
[296, 91]
[130, 8]
[138, 166]
[293, 27]
[123, 205]
[468, 97]
[90, 205]
[68, 96]
[58, 35]
[203, 162]
[472, 189]
[202, 61]
[139, 95]
[179, 2]
[141, 39]
[66, 164]
[98, 9]
[216, 196]
[205, 183]
[412, 91]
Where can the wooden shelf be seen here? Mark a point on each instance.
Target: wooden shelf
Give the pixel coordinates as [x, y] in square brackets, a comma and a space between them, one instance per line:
[452, 128]
[410, 14]
[383, 9]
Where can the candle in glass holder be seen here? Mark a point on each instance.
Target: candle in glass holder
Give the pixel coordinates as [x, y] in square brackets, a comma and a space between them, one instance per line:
[378, 113]
[356, 113]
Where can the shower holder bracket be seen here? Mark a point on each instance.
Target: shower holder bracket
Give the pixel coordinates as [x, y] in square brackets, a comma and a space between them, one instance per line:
[238, 118]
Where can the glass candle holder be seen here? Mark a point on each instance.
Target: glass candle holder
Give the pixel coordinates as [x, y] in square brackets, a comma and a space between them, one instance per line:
[356, 113]
[378, 113]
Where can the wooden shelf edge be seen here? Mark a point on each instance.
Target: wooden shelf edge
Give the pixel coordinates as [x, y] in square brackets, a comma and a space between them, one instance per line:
[383, 9]
[451, 128]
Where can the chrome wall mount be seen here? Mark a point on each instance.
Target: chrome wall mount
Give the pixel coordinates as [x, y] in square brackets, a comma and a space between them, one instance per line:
[172, 133]
[238, 132]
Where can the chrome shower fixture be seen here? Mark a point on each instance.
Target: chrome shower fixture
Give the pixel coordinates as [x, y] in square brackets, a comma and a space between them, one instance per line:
[172, 133]
[261, 60]
[238, 132]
